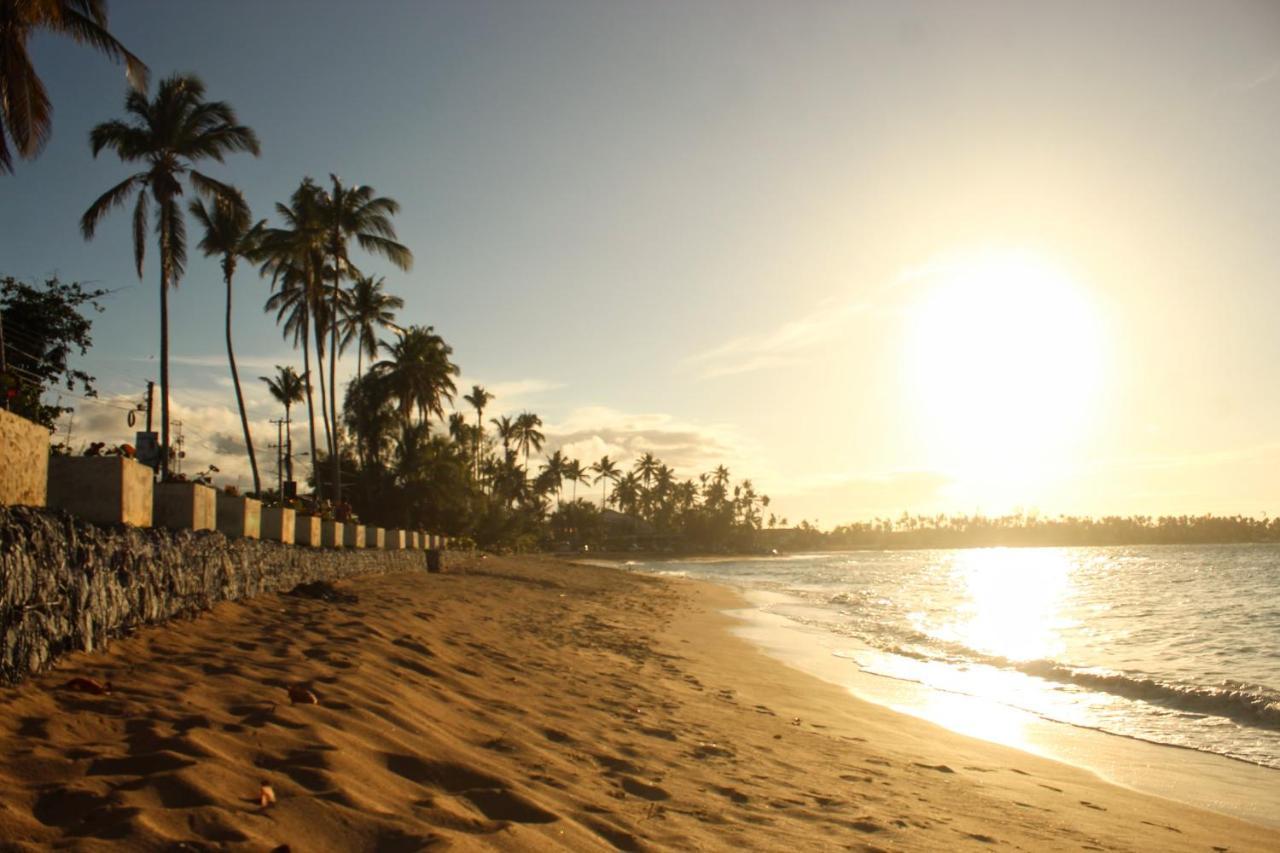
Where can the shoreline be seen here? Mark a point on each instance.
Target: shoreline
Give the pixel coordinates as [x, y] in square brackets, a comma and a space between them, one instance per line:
[1198, 778]
[528, 704]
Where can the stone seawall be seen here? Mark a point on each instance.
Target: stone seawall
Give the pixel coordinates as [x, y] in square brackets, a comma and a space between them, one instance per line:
[68, 585]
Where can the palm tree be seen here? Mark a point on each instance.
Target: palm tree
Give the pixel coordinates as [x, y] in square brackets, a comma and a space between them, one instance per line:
[478, 398]
[419, 373]
[169, 134]
[228, 235]
[606, 471]
[646, 466]
[576, 473]
[626, 493]
[288, 388]
[553, 470]
[293, 255]
[355, 212]
[507, 432]
[25, 112]
[528, 436]
[368, 310]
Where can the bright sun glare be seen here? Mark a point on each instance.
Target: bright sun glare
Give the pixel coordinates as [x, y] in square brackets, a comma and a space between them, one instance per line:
[1005, 362]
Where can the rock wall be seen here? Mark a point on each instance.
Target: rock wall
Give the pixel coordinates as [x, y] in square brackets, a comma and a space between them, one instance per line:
[24, 474]
[67, 585]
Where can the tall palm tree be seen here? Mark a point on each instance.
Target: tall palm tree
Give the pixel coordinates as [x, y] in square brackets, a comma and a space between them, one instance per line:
[26, 116]
[646, 466]
[575, 473]
[369, 309]
[293, 255]
[355, 212]
[507, 432]
[229, 236]
[478, 398]
[288, 388]
[419, 373]
[169, 134]
[528, 436]
[553, 470]
[606, 471]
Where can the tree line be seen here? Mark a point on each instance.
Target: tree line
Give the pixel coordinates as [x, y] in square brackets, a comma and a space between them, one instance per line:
[374, 454]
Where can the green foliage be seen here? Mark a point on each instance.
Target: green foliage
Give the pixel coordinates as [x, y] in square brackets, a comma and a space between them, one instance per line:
[44, 326]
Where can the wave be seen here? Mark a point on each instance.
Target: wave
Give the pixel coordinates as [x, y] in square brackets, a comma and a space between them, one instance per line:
[1249, 704]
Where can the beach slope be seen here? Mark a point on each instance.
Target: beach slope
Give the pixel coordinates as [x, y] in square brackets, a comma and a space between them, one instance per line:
[522, 705]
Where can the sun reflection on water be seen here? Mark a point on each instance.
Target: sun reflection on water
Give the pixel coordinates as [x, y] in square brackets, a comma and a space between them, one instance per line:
[1010, 601]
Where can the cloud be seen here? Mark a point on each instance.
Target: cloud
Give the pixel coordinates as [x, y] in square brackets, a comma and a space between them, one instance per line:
[506, 390]
[590, 432]
[783, 346]
[219, 361]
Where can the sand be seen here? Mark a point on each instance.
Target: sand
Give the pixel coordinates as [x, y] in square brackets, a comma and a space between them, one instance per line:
[524, 705]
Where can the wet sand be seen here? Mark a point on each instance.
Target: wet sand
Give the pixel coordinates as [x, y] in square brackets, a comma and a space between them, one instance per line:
[527, 704]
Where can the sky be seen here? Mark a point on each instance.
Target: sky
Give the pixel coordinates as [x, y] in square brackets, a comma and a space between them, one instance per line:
[875, 256]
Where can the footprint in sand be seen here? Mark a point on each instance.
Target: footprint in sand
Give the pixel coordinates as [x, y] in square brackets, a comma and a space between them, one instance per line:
[941, 768]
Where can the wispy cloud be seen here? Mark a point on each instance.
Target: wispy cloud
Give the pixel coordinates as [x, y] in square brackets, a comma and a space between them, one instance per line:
[1272, 73]
[783, 346]
[509, 389]
[687, 446]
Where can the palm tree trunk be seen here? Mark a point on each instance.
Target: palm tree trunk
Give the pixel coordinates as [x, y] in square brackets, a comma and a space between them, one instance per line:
[333, 383]
[288, 444]
[235, 380]
[324, 400]
[311, 406]
[475, 453]
[164, 349]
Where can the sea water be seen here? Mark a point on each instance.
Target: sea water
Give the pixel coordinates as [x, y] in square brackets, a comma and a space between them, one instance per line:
[1172, 645]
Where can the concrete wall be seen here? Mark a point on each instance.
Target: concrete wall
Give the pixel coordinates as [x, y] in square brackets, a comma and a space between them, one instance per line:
[24, 461]
[185, 506]
[102, 489]
[278, 524]
[66, 584]
[239, 517]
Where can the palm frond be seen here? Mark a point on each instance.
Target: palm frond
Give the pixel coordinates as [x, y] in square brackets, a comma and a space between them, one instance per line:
[113, 197]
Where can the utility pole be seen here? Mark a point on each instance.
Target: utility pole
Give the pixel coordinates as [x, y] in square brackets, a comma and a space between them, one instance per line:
[4, 369]
[280, 458]
[180, 443]
[151, 389]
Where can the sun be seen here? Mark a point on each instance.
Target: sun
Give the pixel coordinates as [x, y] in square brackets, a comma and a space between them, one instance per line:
[1004, 363]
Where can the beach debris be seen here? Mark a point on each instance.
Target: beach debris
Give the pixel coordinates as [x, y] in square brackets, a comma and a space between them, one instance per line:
[88, 685]
[300, 694]
[266, 795]
[795, 721]
[323, 591]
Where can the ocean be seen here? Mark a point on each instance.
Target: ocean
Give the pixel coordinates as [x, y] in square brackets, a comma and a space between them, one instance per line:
[1178, 646]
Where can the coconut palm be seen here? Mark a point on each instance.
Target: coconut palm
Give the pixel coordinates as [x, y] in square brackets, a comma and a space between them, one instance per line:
[293, 255]
[575, 473]
[419, 373]
[507, 432]
[288, 388]
[355, 212]
[478, 398]
[369, 309]
[626, 493]
[25, 112]
[528, 436]
[229, 236]
[606, 471]
[553, 472]
[169, 134]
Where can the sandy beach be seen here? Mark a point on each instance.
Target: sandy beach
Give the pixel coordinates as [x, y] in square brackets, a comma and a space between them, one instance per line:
[522, 705]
